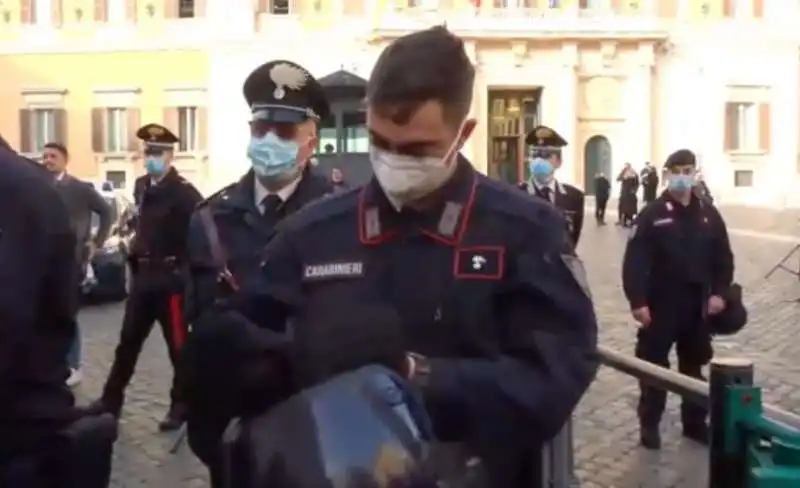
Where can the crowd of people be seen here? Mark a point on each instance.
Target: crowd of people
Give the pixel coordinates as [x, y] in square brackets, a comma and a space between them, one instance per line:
[630, 182]
[285, 296]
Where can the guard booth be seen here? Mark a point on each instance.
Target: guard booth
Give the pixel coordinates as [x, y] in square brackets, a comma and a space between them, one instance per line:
[343, 137]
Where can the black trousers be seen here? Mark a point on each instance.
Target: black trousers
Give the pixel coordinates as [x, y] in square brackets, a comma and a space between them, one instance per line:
[154, 297]
[600, 209]
[682, 323]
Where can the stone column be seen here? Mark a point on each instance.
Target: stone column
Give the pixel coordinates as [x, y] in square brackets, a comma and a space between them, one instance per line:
[640, 106]
[565, 120]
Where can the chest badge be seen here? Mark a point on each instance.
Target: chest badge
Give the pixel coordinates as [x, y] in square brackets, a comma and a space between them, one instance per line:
[333, 271]
[479, 263]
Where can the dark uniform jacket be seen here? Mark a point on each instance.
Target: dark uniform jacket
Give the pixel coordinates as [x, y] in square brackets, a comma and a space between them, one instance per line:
[37, 304]
[164, 209]
[674, 247]
[602, 189]
[485, 283]
[243, 232]
[570, 201]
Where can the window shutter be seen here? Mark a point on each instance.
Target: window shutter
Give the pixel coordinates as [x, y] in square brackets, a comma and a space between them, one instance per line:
[56, 12]
[616, 6]
[60, 120]
[171, 120]
[727, 8]
[171, 9]
[583, 4]
[98, 130]
[131, 10]
[667, 9]
[101, 10]
[764, 129]
[758, 8]
[202, 128]
[25, 117]
[730, 117]
[26, 11]
[353, 7]
[134, 122]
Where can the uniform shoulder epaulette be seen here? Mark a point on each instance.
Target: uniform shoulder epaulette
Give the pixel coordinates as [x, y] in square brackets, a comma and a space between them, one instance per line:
[215, 197]
[507, 199]
[322, 209]
[571, 188]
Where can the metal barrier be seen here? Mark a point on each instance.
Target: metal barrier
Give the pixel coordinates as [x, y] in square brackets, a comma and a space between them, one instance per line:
[752, 445]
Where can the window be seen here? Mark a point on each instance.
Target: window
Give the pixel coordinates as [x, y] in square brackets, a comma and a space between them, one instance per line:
[186, 9]
[743, 178]
[327, 136]
[356, 137]
[42, 11]
[188, 129]
[40, 126]
[279, 7]
[594, 4]
[117, 130]
[116, 10]
[511, 4]
[747, 127]
[118, 178]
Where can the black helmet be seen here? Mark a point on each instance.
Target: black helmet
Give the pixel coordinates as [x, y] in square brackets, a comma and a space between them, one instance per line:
[734, 317]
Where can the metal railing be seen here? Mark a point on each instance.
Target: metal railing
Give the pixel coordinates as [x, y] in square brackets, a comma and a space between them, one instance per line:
[752, 445]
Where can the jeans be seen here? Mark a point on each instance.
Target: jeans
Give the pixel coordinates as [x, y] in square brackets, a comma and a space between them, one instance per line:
[74, 354]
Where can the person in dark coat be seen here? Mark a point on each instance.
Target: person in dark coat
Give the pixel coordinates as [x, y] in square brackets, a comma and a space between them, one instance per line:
[628, 200]
[83, 201]
[158, 260]
[229, 230]
[547, 145]
[649, 179]
[677, 270]
[602, 192]
[493, 380]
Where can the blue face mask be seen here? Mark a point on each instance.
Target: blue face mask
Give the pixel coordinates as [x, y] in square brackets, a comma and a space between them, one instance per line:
[272, 156]
[154, 166]
[680, 182]
[541, 170]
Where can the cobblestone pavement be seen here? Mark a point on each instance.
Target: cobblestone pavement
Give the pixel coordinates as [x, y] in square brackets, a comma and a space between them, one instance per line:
[606, 431]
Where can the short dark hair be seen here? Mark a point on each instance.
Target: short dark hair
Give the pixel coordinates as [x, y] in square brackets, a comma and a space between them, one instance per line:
[58, 147]
[429, 65]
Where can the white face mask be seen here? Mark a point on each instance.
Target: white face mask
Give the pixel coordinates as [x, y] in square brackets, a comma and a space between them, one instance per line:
[408, 178]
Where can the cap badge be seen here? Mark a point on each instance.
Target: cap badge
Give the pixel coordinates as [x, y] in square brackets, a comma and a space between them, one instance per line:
[286, 76]
[543, 133]
[155, 131]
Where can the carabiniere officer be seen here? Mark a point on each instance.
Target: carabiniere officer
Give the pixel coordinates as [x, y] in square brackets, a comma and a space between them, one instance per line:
[464, 260]
[229, 230]
[547, 145]
[165, 202]
[678, 266]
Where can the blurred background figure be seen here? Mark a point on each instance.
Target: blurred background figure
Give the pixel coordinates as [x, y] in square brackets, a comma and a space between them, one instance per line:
[602, 191]
[338, 181]
[701, 188]
[649, 179]
[82, 201]
[628, 201]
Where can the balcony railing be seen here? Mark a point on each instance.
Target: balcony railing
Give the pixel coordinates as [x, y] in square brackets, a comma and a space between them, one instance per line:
[490, 21]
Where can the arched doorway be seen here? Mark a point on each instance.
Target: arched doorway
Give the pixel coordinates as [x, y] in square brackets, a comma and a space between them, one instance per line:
[596, 157]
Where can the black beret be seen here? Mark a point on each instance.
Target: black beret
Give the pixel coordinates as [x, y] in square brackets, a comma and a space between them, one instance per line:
[284, 92]
[681, 157]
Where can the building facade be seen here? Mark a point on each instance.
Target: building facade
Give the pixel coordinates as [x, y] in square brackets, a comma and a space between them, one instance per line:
[622, 80]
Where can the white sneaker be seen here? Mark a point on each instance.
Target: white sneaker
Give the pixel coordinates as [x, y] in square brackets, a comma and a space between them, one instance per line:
[75, 377]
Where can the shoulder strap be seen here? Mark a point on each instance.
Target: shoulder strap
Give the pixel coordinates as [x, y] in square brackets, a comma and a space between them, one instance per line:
[218, 254]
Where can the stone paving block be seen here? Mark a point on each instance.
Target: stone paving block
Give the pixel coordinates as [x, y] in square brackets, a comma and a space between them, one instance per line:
[606, 431]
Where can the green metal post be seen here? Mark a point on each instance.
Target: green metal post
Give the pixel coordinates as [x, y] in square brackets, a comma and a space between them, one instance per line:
[727, 468]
